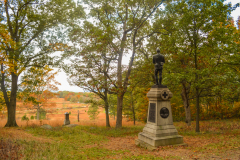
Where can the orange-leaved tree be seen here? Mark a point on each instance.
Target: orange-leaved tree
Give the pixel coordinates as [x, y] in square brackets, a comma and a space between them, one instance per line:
[38, 87]
[26, 22]
[5, 41]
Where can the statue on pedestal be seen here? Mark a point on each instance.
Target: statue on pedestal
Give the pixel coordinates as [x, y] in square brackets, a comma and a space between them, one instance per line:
[159, 130]
[158, 61]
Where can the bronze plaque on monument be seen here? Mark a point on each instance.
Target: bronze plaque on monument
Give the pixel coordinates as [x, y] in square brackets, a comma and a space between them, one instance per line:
[152, 112]
[164, 112]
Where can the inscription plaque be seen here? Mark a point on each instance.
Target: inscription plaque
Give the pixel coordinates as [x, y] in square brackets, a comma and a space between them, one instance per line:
[164, 112]
[152, 111]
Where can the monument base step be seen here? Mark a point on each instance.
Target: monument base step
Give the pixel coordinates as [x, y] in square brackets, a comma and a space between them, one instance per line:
[145, 145]
[160, 141]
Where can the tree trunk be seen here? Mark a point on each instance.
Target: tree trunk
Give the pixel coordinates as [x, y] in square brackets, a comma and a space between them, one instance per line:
[207, 108]
[11, 107]
[120, 91]
[198, 111]
[134, 119]
[107, 115]
[11, 122]
[119, 111]
[106, 93]
[184, 94]
[195, 47]
[221, 107]
[106, 111]
[38, 112]
[133, 111]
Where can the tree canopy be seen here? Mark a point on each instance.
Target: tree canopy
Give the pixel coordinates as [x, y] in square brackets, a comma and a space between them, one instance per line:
[25, 22]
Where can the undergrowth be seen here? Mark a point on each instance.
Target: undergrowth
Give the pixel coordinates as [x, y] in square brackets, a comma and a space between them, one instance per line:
[9, 149]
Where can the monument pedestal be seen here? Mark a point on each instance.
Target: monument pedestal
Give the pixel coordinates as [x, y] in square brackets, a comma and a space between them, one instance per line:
[159, 130]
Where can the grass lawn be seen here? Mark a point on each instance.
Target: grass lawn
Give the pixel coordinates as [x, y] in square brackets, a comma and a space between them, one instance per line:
[217, 140]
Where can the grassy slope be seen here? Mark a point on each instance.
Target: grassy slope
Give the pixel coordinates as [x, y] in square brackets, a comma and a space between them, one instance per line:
[218, 140]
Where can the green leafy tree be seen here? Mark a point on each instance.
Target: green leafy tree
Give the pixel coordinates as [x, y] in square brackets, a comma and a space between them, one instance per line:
[122, 27]
[91, 70]
[140, 81]
[196, 47]
[26, 22]
[93, 109]
[38, 86]
[112, 100]
[74, 99]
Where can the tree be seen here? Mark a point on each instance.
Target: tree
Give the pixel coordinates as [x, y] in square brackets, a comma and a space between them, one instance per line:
[112, 100]
[91, 69]
[140, 82]
[38, 86]
[93, 109]
[5, 41]
[125, 25]
[196, 47]
[26, 21]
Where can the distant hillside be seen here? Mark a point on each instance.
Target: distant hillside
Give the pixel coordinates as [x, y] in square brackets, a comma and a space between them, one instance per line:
[77, 97]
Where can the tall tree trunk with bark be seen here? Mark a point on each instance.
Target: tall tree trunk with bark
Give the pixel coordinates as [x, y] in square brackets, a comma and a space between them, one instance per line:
[185, 95]
[106, 112]
[120, 89]
[198, 110]
[107, 116]
[119, 111]
[195, 48]
[134, 118]
[133, 111]
[11, 106]
[106, 93]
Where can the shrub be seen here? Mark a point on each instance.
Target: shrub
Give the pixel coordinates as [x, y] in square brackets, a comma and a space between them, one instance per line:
[93, 110]
[25, 118]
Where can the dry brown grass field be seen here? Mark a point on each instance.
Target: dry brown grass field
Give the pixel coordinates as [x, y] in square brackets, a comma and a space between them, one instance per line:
[55, 115]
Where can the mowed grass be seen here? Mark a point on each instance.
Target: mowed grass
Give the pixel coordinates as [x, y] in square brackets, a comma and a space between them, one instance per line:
[81, 142]
[218, 139]
[67, 143]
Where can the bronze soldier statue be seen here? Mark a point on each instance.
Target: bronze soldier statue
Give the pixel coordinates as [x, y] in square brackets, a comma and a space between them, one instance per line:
[158, 60]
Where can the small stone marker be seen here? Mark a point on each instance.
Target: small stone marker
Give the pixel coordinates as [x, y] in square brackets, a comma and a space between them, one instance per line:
[66, 121]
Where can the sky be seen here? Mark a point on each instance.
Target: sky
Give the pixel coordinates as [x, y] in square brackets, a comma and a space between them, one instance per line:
[62, 77]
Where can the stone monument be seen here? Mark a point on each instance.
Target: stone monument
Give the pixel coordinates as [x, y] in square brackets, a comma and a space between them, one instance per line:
[159, 130]
[66, 121]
